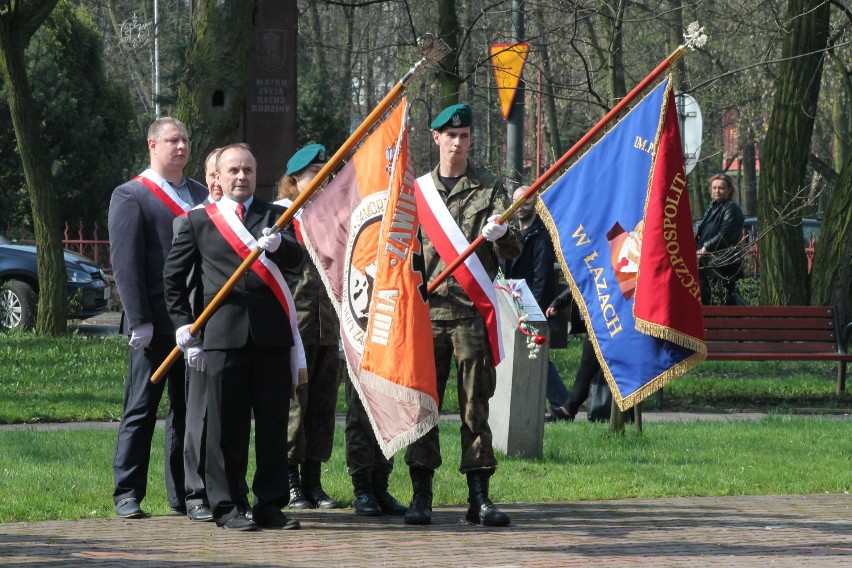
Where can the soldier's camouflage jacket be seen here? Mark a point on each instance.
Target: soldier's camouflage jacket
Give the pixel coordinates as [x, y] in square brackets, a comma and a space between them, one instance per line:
[477, 196]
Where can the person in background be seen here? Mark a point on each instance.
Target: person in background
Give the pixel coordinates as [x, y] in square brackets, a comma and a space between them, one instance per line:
[535, 264]
[589, 365]
[197, 506]
[717, 236]
[310, 428]
[140, 221]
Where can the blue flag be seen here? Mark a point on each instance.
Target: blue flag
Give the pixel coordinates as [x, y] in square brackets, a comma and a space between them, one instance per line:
[622, 205]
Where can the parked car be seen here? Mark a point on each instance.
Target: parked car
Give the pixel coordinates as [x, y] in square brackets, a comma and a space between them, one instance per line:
[751, 231]
[88, 290]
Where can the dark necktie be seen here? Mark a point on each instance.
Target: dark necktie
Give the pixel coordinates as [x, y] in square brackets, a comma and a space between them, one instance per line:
[241, 212]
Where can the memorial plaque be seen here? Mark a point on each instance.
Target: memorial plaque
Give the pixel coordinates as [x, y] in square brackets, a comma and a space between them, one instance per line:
[270, 116]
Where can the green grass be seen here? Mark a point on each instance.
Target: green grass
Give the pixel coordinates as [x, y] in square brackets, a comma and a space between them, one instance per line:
[74, 378]
[67, 474]
[71, 378]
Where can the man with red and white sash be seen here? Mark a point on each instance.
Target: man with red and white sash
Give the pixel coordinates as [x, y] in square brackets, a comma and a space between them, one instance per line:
[141, 214]
[456, 203]
[251, 346]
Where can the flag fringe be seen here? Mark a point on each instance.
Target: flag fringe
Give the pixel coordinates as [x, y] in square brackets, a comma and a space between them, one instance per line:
[671, 335]
[654, 384]
[404, 395]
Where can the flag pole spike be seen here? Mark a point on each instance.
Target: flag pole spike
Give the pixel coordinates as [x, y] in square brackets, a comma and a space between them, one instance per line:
[695, 38]
[432, 50]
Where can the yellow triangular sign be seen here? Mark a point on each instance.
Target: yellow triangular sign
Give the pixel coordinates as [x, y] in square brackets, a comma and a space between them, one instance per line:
[508, 60]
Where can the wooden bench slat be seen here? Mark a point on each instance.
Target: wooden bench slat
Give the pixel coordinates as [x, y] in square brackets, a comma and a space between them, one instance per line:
[755, 323]
[768, 311]
[771, 335]
[768, 348]
[763, 356]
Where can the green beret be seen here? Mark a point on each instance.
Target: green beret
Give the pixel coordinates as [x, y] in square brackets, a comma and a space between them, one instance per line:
[454, 116]
[304, 157]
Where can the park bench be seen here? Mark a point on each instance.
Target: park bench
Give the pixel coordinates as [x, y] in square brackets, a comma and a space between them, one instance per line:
[778, 333]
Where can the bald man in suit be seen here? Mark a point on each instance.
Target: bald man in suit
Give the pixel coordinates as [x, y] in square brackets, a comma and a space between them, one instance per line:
[248, 341]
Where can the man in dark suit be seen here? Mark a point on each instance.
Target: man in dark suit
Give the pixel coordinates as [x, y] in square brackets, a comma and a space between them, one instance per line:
[194, 440]
[248, 344]
[141, 213]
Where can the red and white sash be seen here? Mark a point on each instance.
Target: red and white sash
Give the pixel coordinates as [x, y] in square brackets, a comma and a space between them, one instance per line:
[297, 218]
[163, 191]
[450, 242]
[236, 235]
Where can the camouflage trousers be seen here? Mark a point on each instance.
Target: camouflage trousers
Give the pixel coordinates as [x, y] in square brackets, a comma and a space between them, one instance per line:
[466, 342]
[310, 427]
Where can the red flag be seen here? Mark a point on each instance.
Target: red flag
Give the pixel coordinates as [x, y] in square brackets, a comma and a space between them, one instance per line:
[669, 263]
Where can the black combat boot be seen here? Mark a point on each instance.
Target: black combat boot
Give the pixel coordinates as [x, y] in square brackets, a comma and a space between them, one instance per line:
[420, 510]
[297, 498]
[482, 511]
[365, 503]
[312, 487]
[389, 505]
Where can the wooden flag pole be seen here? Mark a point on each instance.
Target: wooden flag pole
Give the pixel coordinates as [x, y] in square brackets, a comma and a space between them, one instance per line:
[695, 38]
[432, 50]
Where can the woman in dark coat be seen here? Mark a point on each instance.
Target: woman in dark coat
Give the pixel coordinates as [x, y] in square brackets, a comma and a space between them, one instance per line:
[717, 238]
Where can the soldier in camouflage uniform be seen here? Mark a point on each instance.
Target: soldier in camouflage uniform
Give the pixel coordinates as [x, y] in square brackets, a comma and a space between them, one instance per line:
[310, 428]
[475, 199]
[367, 465]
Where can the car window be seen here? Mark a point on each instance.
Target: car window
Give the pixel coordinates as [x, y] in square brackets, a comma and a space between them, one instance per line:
[809, 227]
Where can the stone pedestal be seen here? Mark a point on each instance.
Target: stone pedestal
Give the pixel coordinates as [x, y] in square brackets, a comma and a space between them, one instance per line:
[517, 408]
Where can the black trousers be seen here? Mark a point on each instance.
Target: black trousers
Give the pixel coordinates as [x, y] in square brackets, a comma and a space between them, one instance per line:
[240, 381]
[194, 441]
[136, 431]
[589, 367]
[363, 453]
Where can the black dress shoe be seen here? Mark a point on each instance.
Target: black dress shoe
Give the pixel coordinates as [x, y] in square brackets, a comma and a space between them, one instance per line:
[276, 520]
[239, 523]
[559, 414]
[129, 509]
[200, 513]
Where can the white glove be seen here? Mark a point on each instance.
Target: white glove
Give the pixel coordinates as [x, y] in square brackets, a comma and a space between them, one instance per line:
[493, 231]
[141, 335]
[185, 339]
[267, 242]
[196, 358]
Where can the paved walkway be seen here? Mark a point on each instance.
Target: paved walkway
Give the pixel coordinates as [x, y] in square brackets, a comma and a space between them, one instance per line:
[784, 530]
[797, 530]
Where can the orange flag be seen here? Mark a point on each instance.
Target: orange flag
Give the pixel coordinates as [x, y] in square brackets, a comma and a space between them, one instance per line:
[363, 233]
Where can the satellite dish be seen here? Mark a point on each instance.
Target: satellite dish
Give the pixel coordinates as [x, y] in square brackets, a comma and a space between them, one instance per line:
[689, 117]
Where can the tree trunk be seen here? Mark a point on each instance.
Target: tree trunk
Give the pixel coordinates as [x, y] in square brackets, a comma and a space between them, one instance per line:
[614, 23]
[748, 187]
[552, 126]
[783, 267]
[347, 60]
[16, 29]
[832, 271]
[211, 98]
[449, 81]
